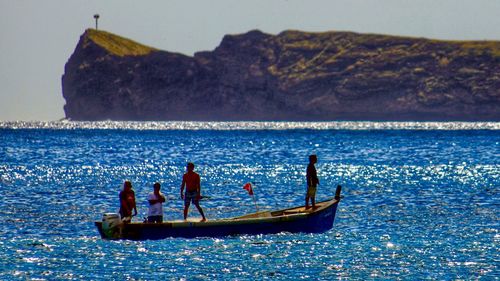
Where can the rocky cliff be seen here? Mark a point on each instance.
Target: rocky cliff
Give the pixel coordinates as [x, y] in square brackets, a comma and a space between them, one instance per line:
[290, 76]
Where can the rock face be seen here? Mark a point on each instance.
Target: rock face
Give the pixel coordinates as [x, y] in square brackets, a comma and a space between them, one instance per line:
[290, 76]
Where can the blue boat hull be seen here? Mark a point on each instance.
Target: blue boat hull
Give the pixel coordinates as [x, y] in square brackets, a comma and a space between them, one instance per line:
[289, 220]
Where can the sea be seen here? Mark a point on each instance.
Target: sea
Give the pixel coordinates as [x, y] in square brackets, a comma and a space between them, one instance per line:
[420, 200]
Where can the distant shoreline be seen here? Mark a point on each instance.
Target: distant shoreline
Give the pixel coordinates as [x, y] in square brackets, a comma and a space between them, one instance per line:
[249, 125]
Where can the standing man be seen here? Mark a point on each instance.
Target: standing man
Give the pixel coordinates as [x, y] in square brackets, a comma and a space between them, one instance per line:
[156, 200]
[127, 202]
[191, 181]
[312, 181]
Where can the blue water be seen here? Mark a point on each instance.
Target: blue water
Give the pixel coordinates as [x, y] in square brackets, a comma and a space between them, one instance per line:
[418, 203]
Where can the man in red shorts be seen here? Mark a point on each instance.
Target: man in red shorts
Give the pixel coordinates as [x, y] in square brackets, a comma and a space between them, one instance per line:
[191, 181]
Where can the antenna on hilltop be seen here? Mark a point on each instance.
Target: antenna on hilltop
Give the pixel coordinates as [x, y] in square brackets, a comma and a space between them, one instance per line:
[96, 17]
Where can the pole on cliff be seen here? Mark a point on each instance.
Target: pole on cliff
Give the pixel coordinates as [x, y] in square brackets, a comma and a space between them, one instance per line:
[96, 17]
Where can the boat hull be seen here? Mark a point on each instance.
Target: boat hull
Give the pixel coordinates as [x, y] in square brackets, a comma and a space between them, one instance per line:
[290, 220]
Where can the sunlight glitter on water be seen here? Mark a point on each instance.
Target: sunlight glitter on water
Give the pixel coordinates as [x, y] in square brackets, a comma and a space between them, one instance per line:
[248, 125]
[418, 204]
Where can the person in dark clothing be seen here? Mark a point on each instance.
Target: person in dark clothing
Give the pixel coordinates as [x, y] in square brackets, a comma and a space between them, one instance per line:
[312, 181]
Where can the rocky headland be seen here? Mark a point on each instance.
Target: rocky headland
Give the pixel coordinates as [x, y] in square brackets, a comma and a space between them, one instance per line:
[290, 76]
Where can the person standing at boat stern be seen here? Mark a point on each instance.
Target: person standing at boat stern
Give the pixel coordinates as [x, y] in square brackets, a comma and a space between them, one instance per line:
[156, 200]
[312, 181]
[127, 202]
[191, 180]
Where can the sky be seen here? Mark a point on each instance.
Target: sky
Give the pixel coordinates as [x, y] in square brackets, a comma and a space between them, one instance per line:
[38, 37]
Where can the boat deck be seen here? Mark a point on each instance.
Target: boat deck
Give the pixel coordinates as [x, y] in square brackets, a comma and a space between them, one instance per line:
[292, 211]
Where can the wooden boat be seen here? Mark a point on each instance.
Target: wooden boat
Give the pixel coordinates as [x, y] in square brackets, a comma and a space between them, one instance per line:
[296, 219]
